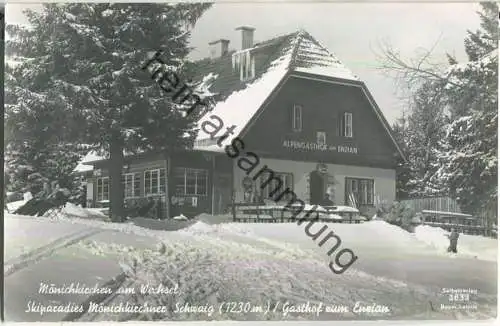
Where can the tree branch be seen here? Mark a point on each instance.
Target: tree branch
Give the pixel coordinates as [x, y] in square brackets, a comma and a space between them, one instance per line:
[411, 73]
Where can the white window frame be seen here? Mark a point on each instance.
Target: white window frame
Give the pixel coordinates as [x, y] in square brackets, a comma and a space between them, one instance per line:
[158, 184]
[133, 185]
[297, 116]
[357, 184]
[321, 137]
[348, 125]
[196, 173]
[271, 186]
[100, 194]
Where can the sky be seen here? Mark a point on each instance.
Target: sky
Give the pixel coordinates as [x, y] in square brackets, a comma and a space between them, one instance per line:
[351, 31]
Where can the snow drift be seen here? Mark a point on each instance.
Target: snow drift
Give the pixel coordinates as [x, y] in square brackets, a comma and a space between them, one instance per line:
[470, 246]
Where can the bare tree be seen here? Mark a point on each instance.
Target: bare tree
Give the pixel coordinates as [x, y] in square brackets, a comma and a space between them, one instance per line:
[410, 74]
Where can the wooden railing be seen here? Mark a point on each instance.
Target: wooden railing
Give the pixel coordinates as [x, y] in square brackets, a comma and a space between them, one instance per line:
[258, 213]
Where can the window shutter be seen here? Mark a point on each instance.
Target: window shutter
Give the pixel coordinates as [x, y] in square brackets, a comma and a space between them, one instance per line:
[137, 185]
[352, 124]
[162, 180]
[341, 124]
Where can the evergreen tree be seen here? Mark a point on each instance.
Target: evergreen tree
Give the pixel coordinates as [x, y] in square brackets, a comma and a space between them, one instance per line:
[35, 130]
[451, 134]
[89, 57]
[420, 133]
[424, 131]
[485, 40]
[469, 157]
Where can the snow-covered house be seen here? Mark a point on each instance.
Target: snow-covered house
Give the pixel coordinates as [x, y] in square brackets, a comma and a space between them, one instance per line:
[287, 105]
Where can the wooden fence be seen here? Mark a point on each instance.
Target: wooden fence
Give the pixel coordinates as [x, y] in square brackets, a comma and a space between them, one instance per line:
[482, 222]
[444, 204]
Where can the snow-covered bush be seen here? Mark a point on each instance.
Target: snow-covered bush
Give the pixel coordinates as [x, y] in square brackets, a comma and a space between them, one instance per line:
[399, 214]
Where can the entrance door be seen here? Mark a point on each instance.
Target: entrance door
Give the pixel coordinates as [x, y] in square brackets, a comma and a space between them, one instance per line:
[316, 188]
[222, 193]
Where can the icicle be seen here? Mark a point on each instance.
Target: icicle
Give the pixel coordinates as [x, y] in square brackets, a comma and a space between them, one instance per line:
[248, 65]
[253, 68]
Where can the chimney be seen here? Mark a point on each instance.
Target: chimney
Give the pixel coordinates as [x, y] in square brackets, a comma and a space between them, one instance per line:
[246, 36]
[218, 48]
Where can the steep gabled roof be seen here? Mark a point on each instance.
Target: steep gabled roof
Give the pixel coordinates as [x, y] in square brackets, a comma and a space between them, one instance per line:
[311, 57]
[238, 101]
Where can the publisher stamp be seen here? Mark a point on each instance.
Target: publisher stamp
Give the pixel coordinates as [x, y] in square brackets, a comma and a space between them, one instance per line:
[459, 299]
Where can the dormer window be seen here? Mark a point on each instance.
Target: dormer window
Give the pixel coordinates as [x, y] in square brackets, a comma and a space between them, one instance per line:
[244, 64]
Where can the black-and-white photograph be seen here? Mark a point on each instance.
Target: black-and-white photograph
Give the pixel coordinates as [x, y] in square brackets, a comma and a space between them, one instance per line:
[270, 161]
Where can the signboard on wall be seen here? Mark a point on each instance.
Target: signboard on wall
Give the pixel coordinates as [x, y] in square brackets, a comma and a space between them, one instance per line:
[312, 146]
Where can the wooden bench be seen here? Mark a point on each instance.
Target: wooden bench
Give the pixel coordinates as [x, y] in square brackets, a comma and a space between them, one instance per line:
[244, 212]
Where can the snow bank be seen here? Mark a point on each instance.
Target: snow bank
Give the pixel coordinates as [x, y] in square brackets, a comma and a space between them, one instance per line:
[214, 219]
[434, 237]
[165, 225]
[13, 206]
[214, 229]
[468, 245]
[78, 211]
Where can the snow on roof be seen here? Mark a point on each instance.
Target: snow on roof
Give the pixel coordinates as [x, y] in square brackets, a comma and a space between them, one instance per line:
[311, 57]
[204, 87]
[300, 52]
[242, 105]
[90, 157]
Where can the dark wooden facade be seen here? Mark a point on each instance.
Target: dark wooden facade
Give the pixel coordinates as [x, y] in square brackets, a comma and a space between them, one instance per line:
[214, 197]
[323, 104]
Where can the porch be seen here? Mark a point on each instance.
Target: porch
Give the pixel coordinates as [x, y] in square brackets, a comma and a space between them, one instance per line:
[187, 183]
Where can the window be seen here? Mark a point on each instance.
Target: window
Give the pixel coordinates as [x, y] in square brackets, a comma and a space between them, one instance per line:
[347, 124]
[154, 182]
[273, 188]
[321, 138]
[359, 191]
[131, 184]
[297, 118]
[102, 188]
[191, 182]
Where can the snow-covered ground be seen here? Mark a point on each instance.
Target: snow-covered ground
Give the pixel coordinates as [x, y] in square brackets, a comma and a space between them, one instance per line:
[212, 262]
[468, 245]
